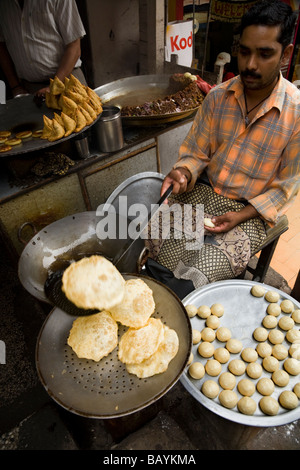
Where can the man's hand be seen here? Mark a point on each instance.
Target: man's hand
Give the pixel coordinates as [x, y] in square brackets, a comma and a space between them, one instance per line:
[179, 177]
[226, 222]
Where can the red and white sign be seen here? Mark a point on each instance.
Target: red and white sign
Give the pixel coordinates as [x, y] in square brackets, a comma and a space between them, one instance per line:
[179, 41]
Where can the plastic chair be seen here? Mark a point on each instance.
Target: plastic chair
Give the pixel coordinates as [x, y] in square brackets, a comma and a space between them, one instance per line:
[267, 249]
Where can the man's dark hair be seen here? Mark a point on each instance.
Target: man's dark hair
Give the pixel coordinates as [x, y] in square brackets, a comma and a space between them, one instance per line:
[272, 13]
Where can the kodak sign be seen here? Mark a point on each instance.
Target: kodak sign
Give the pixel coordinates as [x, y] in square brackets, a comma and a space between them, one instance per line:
[179, 42]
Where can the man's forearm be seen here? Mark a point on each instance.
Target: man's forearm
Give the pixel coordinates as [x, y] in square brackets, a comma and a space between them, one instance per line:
[69, 59]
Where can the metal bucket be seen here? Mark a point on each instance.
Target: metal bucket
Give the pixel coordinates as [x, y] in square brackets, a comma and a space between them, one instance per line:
[109, 132]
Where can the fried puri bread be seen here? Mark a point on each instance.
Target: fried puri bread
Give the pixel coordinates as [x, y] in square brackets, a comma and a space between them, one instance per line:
[159, 361]
[93, 283]
[137, 305]
[138, 344]
[23, 135]
[94, 336]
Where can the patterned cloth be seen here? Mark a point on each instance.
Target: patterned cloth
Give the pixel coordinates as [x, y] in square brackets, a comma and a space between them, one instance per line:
[37, 35]
[259, 162]
[222, 256]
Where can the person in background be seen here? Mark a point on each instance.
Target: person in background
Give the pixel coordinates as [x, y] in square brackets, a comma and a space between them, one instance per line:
[241, 157]
[38, 40]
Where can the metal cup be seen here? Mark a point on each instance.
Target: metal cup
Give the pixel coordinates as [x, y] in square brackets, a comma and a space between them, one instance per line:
[82, 146]
[109, 130]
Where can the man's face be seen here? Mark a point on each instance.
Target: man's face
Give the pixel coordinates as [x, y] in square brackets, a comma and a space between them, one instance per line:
[260, 56]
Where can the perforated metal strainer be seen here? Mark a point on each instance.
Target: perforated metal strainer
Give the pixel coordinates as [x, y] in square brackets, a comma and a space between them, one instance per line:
[105, 389]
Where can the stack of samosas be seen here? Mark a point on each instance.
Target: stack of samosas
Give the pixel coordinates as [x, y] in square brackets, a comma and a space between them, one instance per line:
[78, 104]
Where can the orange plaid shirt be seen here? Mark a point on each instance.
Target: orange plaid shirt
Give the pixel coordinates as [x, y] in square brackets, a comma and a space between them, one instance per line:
[259, 163]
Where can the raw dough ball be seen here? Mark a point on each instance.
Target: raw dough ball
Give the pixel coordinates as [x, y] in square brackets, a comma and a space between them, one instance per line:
[210, 389]
[212, 322]
[296, 315]
[227, 380]
[287, 306]
[208, 222]
[292, 335]
[249, 355]
[269, 406]
[237, 367]
[258, 291]
[223, 334]
[270, 363]
[203, 311]
[191, 310]
[292, 366]
[254, 370]
[279, 351]
[288, 400]
[222, 355]
[274, 309]
[196, 336]
[234, 345]
[265, 386]
[294, 351]
[246, 387]
[272, 296]
[217, 309]
[208, 334]
[246, 405]
[296, 389]
[260, 334]
[196, 370]
[264, 349]
[206, 349]
[228, 398]
[269, 321]
[286, 323]
[281, 378]
[213, 367]
[275, 336]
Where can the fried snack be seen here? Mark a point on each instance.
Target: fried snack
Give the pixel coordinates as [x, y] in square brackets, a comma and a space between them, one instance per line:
[5, 148]
[94, 336]
[59, 119]
[47, 130]
[80, 120]
[56, 86]
[137, 305]
[13, 141]
[75, 96]
[5, 134]
[57, 133]
[52, 101]
[69, 124]
[90, 110]
[94, 283]
[68, 106]
[138, 344]
[87, 116]
[23, 135]
[159, 361]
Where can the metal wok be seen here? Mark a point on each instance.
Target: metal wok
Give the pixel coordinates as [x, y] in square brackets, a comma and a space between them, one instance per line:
[67, 240]
[132, 91]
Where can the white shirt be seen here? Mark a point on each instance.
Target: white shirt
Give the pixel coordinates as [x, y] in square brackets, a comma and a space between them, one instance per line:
[37, 35]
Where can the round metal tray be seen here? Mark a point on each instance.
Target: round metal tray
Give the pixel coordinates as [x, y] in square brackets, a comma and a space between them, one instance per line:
[132, 91]
[105, 389]
[243, 313]
[21, 114]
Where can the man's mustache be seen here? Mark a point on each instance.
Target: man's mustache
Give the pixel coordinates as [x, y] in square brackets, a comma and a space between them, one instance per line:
[248, 73]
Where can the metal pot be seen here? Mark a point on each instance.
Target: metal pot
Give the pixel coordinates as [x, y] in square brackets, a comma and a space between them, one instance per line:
[70, 239]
